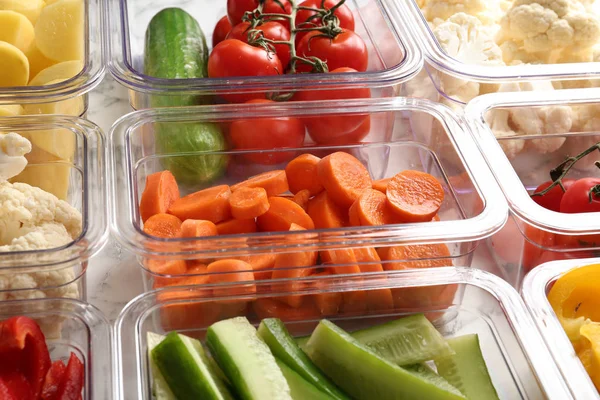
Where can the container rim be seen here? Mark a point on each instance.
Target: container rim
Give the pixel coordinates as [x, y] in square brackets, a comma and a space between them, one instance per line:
[533, 291]
[518, 198]
[94, 232]
[506, 295]
[489, 221]
[121, 69]
[435, 55]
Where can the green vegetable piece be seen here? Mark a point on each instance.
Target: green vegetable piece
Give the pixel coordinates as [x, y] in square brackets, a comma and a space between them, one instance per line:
[301, 341]
[274, 333]
[426, 373]
[160, 387]
[466, 369]
[300, 388]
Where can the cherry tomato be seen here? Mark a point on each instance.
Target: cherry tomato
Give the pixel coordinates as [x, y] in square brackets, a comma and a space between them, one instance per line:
[237, 8]
[267, 133]
[336, 129]
[271, 30]
[551, 200]
[347, 49]
[343, 13]
[576, 199]
[234, 58]
[221, 30]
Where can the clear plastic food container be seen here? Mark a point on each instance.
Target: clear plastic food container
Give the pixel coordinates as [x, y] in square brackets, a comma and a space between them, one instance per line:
[535, 289]
[458, 81]
[393, 58]
[405, 134]
[78, 179]
[72, 326]
[66, 78]
[480, 303]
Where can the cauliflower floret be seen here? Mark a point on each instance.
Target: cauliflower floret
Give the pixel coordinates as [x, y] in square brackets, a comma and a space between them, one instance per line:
[13, 148]
[498, 120]
[487, 11]
[49, 235]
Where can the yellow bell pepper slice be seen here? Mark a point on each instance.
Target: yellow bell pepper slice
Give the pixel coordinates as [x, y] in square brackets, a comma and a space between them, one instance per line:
[590, 355]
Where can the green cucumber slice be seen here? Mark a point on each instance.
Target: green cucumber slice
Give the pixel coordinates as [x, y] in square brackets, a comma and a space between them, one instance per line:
[160, 388]
[246, 360]
[301, 341]
[408, 340]
[360, 371]
[426, 373]
[466, 369]
[299, 387]
[186, 369]
[274, 333]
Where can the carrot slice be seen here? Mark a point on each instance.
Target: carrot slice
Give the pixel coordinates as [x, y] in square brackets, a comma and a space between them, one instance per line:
[328, 303]
[170, 271]
[247, 203]
[211, 204]
[293, 266]
[415, 196]
[369, 261]
[338, 257]
[163, 226]
[237, 226]
[301, 198]
[302, 174]
[160, 192]
[436, 218]
[344, 177]
[198, 228]
[354, 302]
[281, 214]
[274, 182]
[231, 271]
[260, 263]
[353, 215]
[194, 314]
[372, 209]
[325, 213]
[381, 184]
[271, 308]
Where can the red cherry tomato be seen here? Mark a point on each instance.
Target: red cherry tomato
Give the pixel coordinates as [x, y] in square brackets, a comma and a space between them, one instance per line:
[304, 17]
[576, 199]
[234, 58]
[237, 8]
[271, 30]
[347, 49]
[551, 200]
[338, 129]
[267, 133]
[221, 30]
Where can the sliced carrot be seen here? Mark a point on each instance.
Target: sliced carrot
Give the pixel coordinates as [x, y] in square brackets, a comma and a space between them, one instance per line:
[231, 271]
[436, 218]
[325, 213]
[415, 196]
[247, 203]
[272, 308]
[274, 182]
[302, 174]
[369, 261]
[237, 226]
[328, 303]
[192, 314]
[381, 184]
[344, 177]
[342, 261]
[354, 302]
[165, 272]
[163, 226]
[211, 204]
[160, 192]
[281, 214]
[198, 228]
[373, 210]
[262, 264]
[301, 198]
[353, 215]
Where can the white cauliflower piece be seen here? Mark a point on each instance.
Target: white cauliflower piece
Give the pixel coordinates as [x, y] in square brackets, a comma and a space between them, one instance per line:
[13, 148]
[49, 235]
[487, 11]
[498, 121]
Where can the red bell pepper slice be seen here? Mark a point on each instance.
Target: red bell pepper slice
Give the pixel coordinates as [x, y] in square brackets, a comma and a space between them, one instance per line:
[72, 382]
[14, 386]
[23, 343]
[53, 379]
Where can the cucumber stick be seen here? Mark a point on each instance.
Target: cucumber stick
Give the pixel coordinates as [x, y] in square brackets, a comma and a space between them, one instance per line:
[362, 373]
[299, 387]
[466, 369]
[301, 341]
[247, 361]
[425, 372]
[405, 341]
[187, 370]
[160, 387]
[274, 333]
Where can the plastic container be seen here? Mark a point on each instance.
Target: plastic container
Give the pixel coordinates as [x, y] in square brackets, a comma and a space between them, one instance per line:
[72, 326]
[67, 97]
[535, 289]
[405, 134]
[67, 160]
[518, 361]
[535, 235]
[393, 58]
[449, 73]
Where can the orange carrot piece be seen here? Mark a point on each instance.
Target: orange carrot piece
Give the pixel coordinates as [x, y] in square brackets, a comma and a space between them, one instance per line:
[328, 303]
[344, 177]
[231, 271]
[247, 203]
[302, 198]
[163, 226]
[302, 174]
[260, 263]
[436, 218]
[325, 213]
[415, 196]
[198, 228]
[381, 184]
[354, 302]
[160, 192]
[274, 182]
[281, 214]
[343, 261]
[353, 215]
[272, 308]
[211, 204]
[168, 272]
[373, 210]
[369, 261]
[187, 315]
[237, 226]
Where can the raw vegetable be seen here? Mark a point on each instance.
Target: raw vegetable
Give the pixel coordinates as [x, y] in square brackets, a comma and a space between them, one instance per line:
[160, 192]
[425, 372]
[300, 389]
[193, 228]
[344, 178]
[269, 30]
[552, 199]
[211, 204]
[281, 214]
[345, 50]
[163, 225]
[302, 198]
[59, 30]
[247, 203]
[415, 196]
[302, 174]
[15, 67]
[16, 29]
[274, 182]
[372, 208]
[237, 8]
[325, 213]
[160, 387]
[221, 31]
